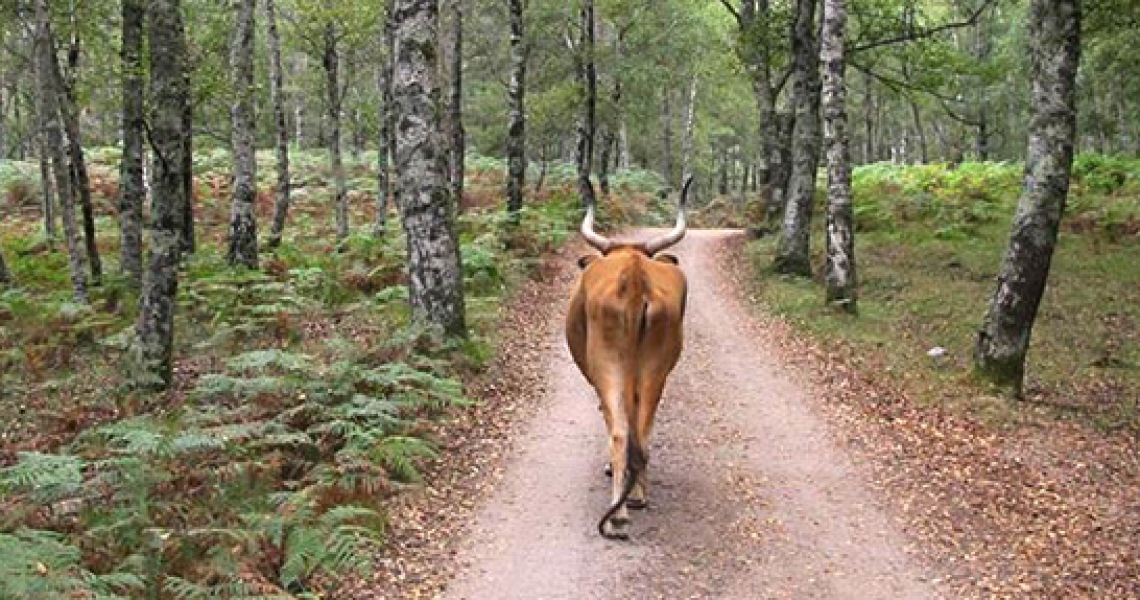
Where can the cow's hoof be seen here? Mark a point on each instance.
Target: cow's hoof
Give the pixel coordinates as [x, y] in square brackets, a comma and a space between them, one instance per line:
[636, 504]
[617, 529]
[609, 470]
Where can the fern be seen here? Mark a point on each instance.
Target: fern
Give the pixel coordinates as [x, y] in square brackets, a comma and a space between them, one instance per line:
[262, 360]
[400, 454]
[40, 564]
[45, 477]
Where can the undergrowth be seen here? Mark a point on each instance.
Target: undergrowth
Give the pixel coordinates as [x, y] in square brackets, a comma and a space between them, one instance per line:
[929, 245]
[302, 390]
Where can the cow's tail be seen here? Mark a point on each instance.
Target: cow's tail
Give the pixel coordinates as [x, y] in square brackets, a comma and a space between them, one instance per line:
[635, 463]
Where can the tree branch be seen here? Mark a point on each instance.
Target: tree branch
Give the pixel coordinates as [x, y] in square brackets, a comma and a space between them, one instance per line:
[919, 34]
[731, 10]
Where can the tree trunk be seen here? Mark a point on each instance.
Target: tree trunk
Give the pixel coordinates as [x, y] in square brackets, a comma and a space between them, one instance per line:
[840, 268]
[434, 266]
[131, 191]
[390, 101]
[1054, 50]
[587, 122]
[516, 128]
[793, 252]
[920, 133]
[605, 152]
[981, 118]
[243, 221]
[457, 147]
[5, 274]
[189, 240]
[46, 184]
[77, 163]
[687, 134]
[666, 137]
[48, 85]
[383, 144]
[543, 162]
[868, 119]
[623, 130]
[722, 172]
[331, 62]
[754, 20]
[780, 171]
[169, 97]
[280, 130]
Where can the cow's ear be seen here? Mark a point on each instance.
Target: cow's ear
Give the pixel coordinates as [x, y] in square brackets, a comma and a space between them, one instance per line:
[666, 258]
[585, 261]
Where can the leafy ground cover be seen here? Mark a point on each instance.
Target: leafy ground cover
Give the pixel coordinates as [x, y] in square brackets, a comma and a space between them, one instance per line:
[930, 242]
[303, 400]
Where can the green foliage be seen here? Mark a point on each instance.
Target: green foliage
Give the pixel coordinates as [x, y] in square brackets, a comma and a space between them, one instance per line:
[41, 564]
[957, 201]
[19, 184]
[953, 200]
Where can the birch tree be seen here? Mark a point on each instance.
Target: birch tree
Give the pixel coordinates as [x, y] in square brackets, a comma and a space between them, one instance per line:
[243, 222]
[169, 96]
[687, 137]
[587, 120]
[1054, 52]
[280, 130]
[840, 268]
[434, 268]
[516, 127]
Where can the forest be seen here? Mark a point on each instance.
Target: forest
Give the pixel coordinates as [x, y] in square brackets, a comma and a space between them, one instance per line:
[275, 274]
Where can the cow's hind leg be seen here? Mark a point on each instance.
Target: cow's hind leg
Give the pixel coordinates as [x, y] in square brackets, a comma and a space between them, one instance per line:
[617, 423]
[648, 395]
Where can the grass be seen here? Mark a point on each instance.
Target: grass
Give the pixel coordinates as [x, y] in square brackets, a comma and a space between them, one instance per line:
[929, 247]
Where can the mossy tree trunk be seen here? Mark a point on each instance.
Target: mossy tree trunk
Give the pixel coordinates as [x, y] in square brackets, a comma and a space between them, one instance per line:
[793, 251]
[170, 94]
[77, 161]
[331, 62]
[384, 119]
[434, 267]
[185, 210]
[1054, 51]
[243, 222]
[131, 189]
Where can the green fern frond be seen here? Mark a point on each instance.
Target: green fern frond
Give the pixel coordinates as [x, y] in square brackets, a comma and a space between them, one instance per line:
[46, 477]
[261, 360]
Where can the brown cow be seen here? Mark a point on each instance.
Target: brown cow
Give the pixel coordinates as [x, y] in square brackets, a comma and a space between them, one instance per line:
[624, 331]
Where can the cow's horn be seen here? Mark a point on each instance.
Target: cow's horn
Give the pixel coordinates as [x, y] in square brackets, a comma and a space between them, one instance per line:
[658, 244]
[594, 238]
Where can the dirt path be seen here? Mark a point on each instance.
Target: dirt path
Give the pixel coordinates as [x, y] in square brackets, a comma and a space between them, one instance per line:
[750, 498]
